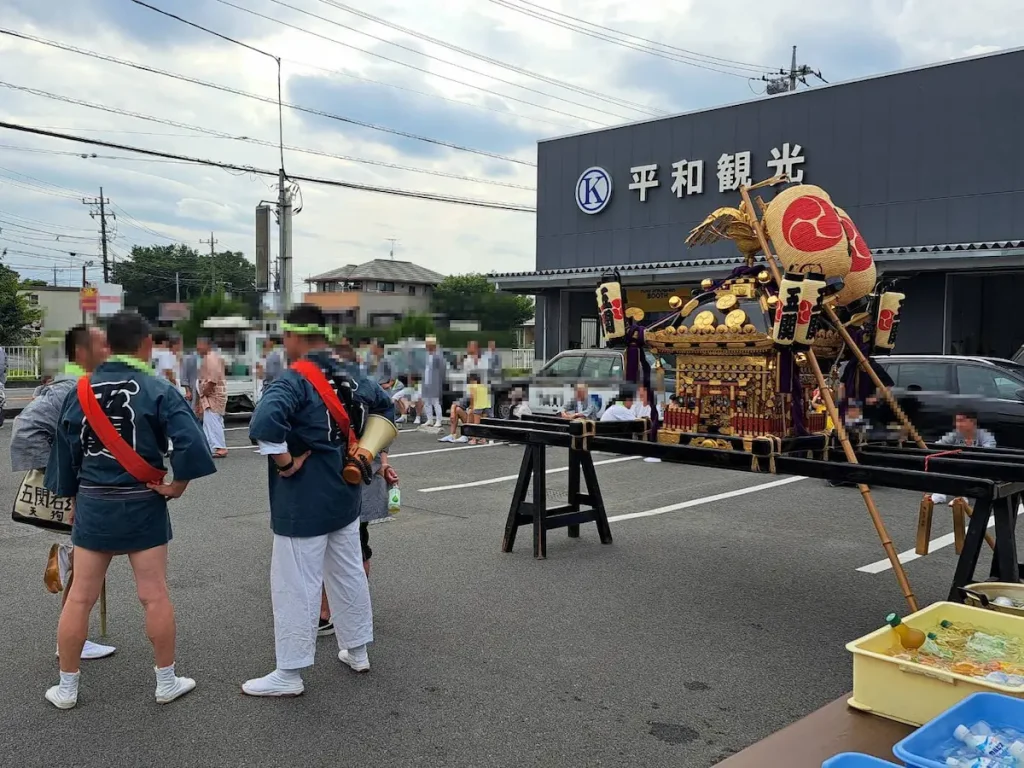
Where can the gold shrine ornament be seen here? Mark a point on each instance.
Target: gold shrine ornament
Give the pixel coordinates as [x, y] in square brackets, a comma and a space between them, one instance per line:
[725, 302]
[735, 319]
[675, 302]
[705, 319]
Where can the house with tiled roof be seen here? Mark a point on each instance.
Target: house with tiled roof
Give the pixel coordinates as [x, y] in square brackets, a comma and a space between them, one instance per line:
[373, 294]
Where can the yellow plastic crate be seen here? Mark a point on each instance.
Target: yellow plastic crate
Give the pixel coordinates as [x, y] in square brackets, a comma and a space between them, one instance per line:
[914, 693]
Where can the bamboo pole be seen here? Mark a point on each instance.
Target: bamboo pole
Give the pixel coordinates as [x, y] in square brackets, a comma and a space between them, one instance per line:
[865, 491]
[755, 223]
[865, 365]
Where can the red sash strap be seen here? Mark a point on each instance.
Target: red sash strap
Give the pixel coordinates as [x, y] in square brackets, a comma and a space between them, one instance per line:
[130, 461]
[311, 372]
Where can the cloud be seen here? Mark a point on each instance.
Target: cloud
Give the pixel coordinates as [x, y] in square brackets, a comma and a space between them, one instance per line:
[159, 202]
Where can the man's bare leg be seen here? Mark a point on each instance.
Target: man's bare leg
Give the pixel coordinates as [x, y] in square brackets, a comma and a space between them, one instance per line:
[150, 569]
[90, 650]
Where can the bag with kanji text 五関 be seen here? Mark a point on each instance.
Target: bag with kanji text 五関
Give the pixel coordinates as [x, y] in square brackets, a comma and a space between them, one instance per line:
[35, 505]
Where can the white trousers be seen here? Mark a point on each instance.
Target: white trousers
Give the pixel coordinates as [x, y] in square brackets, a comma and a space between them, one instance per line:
[432, 408]
[213, 427]
[299, 567]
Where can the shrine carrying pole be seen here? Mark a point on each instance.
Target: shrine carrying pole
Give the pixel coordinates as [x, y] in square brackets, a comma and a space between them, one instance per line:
[830, 407]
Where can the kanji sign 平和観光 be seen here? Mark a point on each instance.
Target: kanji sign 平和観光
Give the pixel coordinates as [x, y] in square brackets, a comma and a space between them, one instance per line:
[733, 170]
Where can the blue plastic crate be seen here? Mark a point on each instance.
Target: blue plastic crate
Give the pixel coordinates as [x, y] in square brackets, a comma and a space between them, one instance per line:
[856, 760]
[997, 710]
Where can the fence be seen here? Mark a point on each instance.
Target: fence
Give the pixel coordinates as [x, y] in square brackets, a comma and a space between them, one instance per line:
[521, 359]
[22, 362]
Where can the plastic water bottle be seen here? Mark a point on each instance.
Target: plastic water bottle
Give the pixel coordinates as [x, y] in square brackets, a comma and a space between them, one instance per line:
[976, 762]
[394, 500]
[988, 743]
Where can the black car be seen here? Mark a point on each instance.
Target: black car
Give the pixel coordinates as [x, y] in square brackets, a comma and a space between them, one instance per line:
[934, 388]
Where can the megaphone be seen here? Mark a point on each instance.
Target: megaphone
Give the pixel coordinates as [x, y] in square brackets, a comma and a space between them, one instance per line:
[378, 434]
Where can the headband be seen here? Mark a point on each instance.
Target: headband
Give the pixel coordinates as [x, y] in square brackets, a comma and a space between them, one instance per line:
[308, 330]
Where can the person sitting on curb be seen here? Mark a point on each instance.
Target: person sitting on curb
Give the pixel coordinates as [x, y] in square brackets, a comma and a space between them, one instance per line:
[582, 407]
[968, 434]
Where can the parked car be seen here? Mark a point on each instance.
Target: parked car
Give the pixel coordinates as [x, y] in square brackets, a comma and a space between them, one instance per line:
[554, 385]
[934, 387]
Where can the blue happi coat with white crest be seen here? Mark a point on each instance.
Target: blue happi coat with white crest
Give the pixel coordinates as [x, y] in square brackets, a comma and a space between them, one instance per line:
[150, 414]
[316, 500]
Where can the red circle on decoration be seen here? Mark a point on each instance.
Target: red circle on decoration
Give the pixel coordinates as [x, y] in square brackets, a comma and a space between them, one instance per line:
[810, 224]
[860, 255]
[804, 313]
[885, 318]
[617, 309]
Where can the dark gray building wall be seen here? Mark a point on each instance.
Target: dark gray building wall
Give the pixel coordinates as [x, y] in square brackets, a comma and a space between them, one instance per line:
[924, 157]
[921, 326]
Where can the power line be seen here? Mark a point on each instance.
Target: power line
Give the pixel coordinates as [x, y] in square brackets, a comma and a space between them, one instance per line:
[673, 53]
[257, 97]
[93, 155]
[263, 172]
[487, 59]
[425, 55]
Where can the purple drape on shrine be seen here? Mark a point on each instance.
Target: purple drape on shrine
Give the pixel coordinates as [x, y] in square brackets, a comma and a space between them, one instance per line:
[858, 385]
[638, 369]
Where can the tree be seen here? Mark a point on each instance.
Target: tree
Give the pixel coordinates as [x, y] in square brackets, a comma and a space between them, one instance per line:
[473, 297]
[205, 307]
[16, 314]
[33, 283]
[158, 273]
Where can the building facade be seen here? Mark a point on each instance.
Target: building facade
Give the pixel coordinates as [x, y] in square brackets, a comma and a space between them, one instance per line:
[374, 294]
[59, 304]
[927, 162]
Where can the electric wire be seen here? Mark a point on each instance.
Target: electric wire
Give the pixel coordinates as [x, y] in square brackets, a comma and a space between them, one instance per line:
[264, 172]
[480, 57]
[425, 55]
[681, 55]
[257, 97]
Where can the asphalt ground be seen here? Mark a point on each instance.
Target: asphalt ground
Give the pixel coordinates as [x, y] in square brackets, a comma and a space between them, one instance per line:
[712, 621]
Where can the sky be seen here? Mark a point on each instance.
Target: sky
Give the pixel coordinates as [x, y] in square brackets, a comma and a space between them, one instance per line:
[531, 79]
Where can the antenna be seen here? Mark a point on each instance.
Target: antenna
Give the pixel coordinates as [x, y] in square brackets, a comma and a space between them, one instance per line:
[392, 240]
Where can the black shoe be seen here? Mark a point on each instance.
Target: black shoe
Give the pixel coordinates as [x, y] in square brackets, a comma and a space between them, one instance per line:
[325, 628]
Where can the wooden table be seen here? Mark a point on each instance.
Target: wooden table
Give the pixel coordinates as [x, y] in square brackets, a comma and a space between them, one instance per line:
[833, 729]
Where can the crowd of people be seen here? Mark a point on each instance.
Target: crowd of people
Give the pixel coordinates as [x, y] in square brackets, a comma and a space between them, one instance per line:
[127, 405]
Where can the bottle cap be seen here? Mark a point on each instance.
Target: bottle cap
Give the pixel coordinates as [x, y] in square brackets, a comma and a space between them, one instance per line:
[945, 624]
[892, 620]
[961, 732]
[932, 636]
[1017, 749]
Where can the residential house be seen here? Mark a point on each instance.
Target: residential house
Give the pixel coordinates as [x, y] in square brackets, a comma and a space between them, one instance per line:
[374, 294]
[59, 304]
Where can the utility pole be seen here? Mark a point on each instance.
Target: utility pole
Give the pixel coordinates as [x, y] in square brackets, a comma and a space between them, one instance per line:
[284, 225]
[54, 277]
[786, 82]
[101, 204]
[392, 240]
[213, 262]
[177, 289]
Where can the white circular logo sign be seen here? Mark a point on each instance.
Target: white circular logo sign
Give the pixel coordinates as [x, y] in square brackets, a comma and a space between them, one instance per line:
[593, 190]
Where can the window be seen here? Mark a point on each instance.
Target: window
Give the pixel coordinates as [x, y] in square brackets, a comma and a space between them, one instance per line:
[383, 287]
[926, 377]
[412, 290]
[599, 366]
[33, 299]
[987, 382]
[565, 366]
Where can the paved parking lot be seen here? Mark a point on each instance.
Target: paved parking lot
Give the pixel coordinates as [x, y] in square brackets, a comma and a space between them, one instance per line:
[719, 615]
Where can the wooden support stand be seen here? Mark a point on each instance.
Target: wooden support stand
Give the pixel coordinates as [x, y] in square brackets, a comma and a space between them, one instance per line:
[529, 504]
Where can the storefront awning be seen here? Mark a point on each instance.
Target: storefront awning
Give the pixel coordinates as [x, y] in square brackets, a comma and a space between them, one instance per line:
[927, 258]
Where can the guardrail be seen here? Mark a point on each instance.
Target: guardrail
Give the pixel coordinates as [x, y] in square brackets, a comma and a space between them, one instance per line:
[521, 359]
[22, 362]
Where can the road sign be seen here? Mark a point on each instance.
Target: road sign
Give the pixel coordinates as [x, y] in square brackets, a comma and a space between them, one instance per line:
[109, 299]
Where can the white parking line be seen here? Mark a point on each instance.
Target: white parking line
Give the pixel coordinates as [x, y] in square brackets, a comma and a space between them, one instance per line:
[506, 478]
[880, 566]
[705, 499]
[440, 450]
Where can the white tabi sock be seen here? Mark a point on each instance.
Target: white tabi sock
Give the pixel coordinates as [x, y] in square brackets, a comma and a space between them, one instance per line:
[357, 658]
[170, 687]
[280, 682]
[65, 695]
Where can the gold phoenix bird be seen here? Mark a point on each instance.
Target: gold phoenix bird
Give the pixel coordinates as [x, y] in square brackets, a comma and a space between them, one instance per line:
[734, 224]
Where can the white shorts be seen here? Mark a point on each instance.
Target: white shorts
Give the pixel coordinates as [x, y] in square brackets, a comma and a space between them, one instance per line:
[404, 394]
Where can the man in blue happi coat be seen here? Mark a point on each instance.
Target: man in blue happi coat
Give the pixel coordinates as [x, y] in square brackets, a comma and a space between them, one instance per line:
[314, 511]
[115, 511]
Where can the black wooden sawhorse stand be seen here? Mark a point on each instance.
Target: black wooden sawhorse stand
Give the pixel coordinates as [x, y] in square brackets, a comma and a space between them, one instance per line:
[581, 507]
